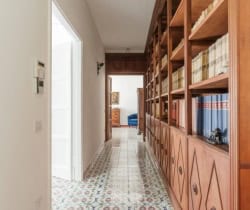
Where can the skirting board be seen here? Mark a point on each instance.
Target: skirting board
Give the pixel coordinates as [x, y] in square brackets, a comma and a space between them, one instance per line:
[101, 147]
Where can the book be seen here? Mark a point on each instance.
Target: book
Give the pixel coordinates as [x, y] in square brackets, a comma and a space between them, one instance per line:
[194, 115]
[211, 61]
[224, 115]
[199, 117]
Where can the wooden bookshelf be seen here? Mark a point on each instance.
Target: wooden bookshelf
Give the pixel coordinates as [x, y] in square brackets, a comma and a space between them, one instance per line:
[190, 158]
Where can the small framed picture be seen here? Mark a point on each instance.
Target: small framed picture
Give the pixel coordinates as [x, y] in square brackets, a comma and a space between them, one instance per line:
[115, 97]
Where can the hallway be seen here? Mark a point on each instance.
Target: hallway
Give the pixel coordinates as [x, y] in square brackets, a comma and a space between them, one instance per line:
[123, 176]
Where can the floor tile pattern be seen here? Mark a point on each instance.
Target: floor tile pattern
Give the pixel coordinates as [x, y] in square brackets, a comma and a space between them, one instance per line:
[123, 177]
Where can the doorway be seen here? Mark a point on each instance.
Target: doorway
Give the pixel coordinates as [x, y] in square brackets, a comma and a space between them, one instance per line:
[126, 106]
[66, 100]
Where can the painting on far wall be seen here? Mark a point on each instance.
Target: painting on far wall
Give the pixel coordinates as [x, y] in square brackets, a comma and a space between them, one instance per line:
[115, 98]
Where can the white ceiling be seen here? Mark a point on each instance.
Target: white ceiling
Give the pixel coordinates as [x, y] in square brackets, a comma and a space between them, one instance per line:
[122, 23]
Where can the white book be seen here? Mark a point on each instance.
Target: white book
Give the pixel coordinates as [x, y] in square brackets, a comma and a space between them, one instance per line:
[211, 61]
[218, 64]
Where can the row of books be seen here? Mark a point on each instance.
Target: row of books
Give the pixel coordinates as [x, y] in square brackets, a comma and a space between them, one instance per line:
[181, 43]
[165, 85]
[178, 113]
[209, 113]
[164, 60]
[205, 13]
[211, 62]
[156, 109]
[178, 79]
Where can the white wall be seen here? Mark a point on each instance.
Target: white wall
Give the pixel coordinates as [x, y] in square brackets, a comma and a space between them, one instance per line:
[24, 154]
[24, 174]
[77, 12]
[127, 86]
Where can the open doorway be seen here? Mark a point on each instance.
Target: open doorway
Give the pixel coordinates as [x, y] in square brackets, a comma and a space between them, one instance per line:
[127, 102]
[66, 100]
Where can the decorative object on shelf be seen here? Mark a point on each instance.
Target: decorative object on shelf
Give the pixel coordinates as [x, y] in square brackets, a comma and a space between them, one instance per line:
[115, 98]
[99, 66]
[215, 137]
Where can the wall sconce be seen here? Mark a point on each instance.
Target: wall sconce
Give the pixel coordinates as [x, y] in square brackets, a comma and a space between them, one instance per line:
[99, 66]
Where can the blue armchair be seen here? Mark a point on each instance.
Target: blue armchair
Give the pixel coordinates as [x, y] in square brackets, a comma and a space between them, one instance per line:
[132, 120]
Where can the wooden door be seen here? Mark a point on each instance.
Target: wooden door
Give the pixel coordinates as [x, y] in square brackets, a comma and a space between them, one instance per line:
[109, 109]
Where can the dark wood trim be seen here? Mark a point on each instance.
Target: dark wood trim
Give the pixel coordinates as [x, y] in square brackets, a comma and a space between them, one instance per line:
[125, 63]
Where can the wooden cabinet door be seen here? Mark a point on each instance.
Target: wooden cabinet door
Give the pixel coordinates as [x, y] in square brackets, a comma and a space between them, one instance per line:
[178, 166]
[165, 150]
[209, 177]
[157, 140]
[152, 129]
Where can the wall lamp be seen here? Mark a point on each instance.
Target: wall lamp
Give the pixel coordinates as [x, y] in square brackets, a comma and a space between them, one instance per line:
[99, 66]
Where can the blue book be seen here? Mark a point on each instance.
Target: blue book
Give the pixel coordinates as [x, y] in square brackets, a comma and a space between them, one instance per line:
[214, 112]
[224, 114]
[199, 116]
[219, 111]
[207, 116]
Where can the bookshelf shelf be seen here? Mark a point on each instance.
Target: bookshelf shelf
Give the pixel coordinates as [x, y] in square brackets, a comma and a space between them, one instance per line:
[165, 67]
[214, 25]
[164, 39]
[223, 148]
[164, 95]
[217, 82]
[180, 91]
[157, 74]
[157, 98]
[178, 53]
[178, 18]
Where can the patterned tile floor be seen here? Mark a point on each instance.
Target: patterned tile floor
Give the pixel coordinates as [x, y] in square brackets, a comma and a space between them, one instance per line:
[123, 177]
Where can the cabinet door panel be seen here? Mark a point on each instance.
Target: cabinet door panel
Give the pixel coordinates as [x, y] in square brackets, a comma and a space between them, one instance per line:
[209, 171]
[178, 166]
[165, 150]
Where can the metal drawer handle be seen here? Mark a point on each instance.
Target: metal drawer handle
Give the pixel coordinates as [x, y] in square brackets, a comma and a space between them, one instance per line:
[180, 170]
[195, 189]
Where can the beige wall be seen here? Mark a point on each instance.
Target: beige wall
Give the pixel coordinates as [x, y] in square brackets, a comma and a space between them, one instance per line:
[24, 172]
[24, 154]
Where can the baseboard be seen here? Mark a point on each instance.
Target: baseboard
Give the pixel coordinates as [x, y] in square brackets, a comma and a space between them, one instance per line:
[101, 147]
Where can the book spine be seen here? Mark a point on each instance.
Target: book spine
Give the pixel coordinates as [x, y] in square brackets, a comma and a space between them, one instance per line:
[219, 111]
[194, 115]
[214, 112]
[199, 116]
